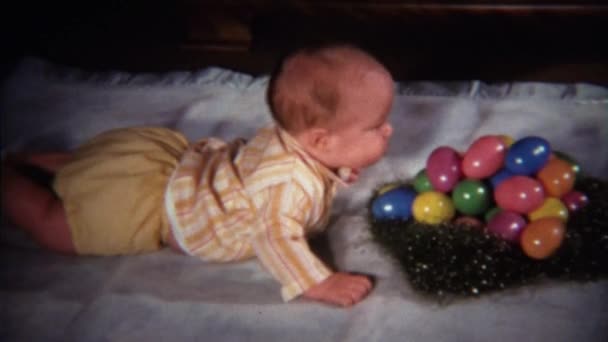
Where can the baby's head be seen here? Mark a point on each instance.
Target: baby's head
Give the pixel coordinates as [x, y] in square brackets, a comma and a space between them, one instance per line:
[335, 101]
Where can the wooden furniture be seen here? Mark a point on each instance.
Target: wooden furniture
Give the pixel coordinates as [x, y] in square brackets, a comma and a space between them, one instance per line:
[549, 40]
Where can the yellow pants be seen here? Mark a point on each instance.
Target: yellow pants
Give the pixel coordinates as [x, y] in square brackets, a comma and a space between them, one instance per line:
[113, 190]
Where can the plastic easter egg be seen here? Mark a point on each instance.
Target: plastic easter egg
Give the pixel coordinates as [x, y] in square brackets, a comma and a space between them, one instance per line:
[542, 237]
[575, 200]
[506, 139]
[484, 157]
[471, 197]
[556, 177]
[422, 182]
[507, 225]
[500, 176]
[443, 168]
[395, 204]
[573, 163]
[433, 207]
[528, 155]
[520, 194]
[491, 213]
[470, 221]
[386, 188]
[551, 207]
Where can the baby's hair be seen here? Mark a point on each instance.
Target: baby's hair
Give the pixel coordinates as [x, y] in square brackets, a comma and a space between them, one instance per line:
[306, 89]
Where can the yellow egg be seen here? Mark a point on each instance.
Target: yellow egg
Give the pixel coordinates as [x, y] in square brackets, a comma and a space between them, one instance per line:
[386, 188]
[433, 207]
[507, 139]
[551, 207]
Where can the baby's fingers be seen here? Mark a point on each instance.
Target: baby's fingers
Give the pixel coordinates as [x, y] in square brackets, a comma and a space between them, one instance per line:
[364, 281]
[354, 293]
[358, 288]
[349, 298]
[344, 299]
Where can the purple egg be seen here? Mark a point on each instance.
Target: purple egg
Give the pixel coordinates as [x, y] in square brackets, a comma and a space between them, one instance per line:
[574, 200]
[443, 168]
[507, 225]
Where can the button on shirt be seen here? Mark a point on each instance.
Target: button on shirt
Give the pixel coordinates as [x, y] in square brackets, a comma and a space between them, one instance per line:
[233, 201]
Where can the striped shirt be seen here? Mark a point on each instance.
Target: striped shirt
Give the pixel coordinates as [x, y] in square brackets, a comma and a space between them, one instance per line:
[233, 201]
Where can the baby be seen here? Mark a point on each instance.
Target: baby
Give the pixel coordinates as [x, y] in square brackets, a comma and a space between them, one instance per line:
[137, 189]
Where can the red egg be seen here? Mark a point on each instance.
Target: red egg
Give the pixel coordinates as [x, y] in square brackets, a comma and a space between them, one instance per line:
[520, 194]
[470, 221]
[443, 168]
[484, 157]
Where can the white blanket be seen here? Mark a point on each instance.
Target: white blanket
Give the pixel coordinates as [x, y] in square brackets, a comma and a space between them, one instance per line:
[169, 297]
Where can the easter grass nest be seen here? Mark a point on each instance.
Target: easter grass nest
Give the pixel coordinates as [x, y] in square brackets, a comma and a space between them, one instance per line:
[452, 261]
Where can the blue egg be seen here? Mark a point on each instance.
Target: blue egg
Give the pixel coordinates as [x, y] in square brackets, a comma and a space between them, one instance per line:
[500, 176]
[528, 155]
[395, 204]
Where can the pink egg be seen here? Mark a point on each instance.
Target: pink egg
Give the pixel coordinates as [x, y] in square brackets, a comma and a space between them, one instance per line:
[520, 194]
[508, 225]
[484, 157]
[574, 200]
[443, 168]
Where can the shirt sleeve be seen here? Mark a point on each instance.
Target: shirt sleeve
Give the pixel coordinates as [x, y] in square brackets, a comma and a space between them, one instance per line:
[280, 242]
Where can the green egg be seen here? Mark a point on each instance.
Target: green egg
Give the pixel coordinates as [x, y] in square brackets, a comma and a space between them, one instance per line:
[471, 197]
[422, 182]
[490, 213]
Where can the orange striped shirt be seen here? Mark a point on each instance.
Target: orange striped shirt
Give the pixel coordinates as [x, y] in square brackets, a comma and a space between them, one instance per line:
[233, 201]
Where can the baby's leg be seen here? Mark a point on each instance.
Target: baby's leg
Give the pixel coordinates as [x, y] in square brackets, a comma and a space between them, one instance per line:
[50, 161]
[35, 209]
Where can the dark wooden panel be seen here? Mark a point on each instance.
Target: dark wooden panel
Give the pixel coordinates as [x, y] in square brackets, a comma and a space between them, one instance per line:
[554, 40]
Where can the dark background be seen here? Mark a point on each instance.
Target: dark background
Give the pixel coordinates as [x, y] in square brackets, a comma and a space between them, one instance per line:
[431, 40]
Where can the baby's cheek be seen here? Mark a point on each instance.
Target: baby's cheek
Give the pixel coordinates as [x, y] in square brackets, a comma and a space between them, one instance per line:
[372, 150]
[382, 148]
[377, 151]
[381, 145]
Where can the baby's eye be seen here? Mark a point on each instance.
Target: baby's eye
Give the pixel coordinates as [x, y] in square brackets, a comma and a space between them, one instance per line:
[376, 128]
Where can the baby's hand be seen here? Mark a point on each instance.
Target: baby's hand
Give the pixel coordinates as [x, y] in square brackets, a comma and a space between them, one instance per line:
[341, 289]
[348, 175]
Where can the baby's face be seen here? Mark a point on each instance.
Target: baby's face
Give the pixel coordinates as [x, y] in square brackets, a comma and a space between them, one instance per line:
[362, 138]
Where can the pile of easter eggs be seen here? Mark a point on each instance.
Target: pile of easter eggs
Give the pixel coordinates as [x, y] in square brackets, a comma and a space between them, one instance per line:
[521, 191]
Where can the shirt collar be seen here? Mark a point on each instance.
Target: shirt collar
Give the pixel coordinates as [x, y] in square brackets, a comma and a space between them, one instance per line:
[294, 146]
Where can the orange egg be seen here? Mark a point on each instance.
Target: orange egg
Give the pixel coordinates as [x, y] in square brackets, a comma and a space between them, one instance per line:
[541, 238]
[557, 177]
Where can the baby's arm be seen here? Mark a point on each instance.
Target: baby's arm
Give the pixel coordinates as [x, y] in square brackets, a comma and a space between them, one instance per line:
[342, 289]
[281, 246]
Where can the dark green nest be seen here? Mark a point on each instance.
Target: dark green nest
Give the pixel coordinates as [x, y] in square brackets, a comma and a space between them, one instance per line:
[457, 260]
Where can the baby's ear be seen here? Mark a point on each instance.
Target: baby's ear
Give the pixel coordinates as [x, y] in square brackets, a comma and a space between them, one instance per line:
[317, 138]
